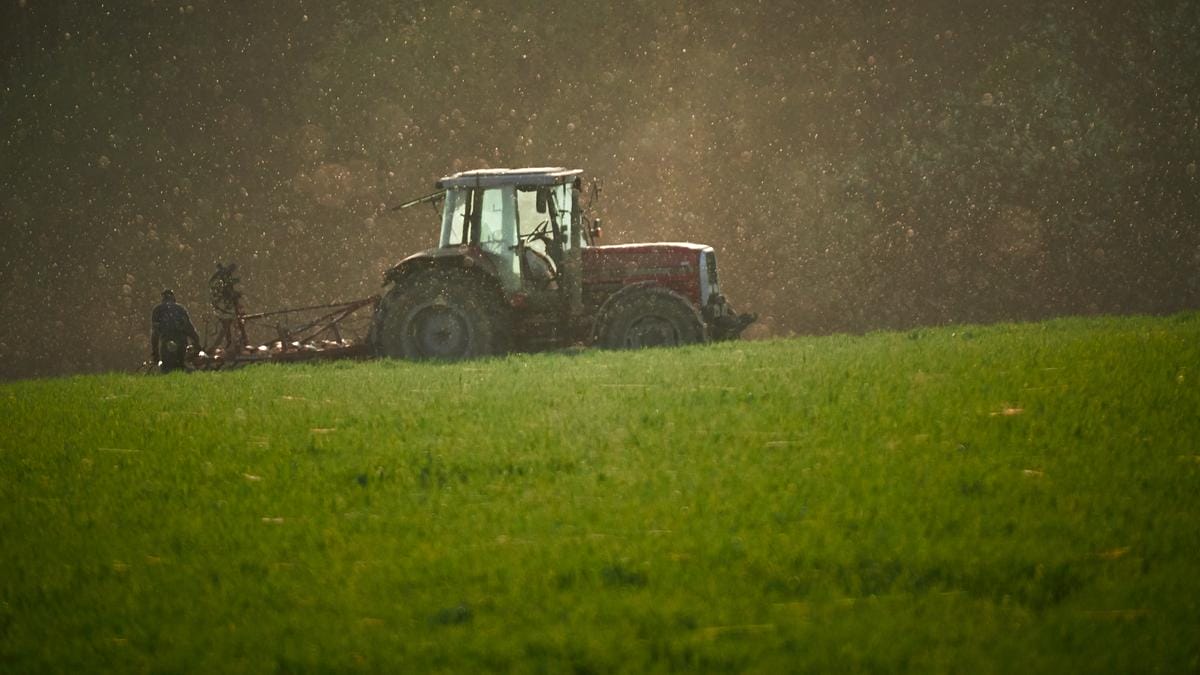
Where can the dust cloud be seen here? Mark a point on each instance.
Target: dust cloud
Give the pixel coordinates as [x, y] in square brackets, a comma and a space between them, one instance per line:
[857, 166]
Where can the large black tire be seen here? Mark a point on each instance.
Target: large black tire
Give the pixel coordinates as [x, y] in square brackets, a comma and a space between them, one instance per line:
[443, 314]
[649, 317]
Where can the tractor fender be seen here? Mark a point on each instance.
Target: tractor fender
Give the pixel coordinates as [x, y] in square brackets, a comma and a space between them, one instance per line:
[469, 258]
[602, 314]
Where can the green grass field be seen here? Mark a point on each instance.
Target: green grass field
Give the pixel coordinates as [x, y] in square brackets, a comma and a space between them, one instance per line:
[970, 499]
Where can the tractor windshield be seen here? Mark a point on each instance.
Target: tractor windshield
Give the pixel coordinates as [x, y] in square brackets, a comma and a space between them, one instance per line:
[544, 214]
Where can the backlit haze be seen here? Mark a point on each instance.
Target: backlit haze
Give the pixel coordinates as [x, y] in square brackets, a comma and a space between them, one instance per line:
[857, 166]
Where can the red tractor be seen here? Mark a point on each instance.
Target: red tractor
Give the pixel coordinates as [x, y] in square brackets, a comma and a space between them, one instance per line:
[517, 268]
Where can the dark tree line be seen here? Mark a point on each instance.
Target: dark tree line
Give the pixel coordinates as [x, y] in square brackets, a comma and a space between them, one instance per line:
[857, 167]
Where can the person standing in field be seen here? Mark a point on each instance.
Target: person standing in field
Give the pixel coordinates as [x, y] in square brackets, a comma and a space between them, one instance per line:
[170, 329]
[227, 303]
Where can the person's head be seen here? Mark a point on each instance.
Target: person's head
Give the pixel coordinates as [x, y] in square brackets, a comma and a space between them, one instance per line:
[168, 295]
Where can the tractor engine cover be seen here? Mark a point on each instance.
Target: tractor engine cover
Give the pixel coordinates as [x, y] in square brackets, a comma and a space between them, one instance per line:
[681, 267]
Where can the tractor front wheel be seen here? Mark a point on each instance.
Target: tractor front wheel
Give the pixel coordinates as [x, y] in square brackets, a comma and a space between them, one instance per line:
[443, 314]
[650, 317]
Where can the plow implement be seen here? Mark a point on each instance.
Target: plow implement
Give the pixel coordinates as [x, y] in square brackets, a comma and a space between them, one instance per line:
[317, 332]
[323, 332]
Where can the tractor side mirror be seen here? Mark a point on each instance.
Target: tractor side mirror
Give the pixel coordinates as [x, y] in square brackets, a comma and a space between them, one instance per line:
[596, 230]
[541, 200]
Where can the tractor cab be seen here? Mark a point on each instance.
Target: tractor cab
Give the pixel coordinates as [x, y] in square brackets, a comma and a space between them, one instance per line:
[526, 221]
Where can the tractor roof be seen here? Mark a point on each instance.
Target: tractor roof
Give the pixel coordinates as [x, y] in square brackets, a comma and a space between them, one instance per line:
[547, 175]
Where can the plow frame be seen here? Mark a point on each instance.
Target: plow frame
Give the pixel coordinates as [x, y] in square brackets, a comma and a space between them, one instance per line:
[321, 337]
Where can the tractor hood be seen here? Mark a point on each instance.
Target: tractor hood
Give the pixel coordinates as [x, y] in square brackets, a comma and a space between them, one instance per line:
[672, 264]
[633, 261]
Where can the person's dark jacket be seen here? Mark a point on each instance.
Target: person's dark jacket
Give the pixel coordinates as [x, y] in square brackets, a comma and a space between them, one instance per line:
[171, 328]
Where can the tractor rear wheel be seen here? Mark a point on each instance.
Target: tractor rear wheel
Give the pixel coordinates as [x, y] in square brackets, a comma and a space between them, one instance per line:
[650, 317]
[443, 314]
